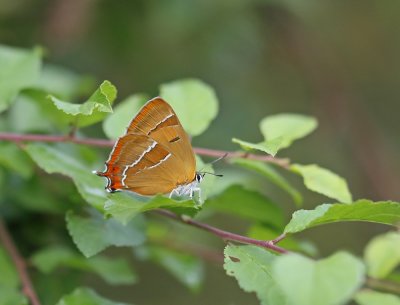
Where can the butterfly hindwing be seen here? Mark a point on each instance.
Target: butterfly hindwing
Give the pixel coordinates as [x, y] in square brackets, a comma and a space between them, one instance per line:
[155, 155]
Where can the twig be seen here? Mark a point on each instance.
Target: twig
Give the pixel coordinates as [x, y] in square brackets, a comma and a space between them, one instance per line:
[383, 285]
[225, 235]
[18, 138]
[27, 287]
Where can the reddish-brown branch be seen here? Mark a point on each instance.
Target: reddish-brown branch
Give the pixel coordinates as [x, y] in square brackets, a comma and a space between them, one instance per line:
[225, 235]
[382, 284]
[18, 138]
[27, 287]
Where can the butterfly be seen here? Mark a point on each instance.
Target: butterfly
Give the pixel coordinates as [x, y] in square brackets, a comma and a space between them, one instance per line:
[155, 155]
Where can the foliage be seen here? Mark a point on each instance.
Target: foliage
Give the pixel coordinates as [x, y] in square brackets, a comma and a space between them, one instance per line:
[78, 221]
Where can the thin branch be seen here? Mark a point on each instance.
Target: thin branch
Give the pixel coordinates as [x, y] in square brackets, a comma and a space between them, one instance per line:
[27, 287]
[383, 285]
[18, 138]
[225, 235]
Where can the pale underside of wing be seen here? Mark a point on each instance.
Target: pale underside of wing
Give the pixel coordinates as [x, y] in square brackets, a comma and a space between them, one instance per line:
[155, 156]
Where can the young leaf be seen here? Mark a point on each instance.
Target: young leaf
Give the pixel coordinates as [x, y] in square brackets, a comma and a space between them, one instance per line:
[187, 269]
[116, 123]
[285, 128]
[124, 206]
[247, 204]
[94, 234]
[386, 212]
[194, 102]
[19, 69]
[271, 174]
[323, 181]
[114, 271]
[85, 296]
[280, 131]
[53, 160]
[270, 147]
[91, 111]
[370, 297]
[252, 268]
[382, 254]
[329, 281]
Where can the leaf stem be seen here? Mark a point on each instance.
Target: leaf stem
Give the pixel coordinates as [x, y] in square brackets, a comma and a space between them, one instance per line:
[225, 235]
[27, 287]
[18, 138]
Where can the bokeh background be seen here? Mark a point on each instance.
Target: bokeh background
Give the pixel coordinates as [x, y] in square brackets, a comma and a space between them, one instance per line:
[337, 60]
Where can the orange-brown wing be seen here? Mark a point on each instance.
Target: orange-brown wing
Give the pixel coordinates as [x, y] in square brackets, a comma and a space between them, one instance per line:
[154, 156]
[154, 115]
[177, 142]
[131, 151]
[176, 168]
[158, 120]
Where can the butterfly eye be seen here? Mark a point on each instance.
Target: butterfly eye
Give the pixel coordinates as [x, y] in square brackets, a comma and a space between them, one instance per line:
[199, 177]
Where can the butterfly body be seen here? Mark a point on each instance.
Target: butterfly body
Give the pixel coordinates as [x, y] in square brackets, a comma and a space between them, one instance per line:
[154, 156]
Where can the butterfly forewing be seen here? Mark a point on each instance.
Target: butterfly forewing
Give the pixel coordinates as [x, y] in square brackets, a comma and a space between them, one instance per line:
[155, 155]
[156, 114]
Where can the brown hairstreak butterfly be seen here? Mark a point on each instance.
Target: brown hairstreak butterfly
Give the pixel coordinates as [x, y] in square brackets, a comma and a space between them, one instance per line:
[154, 156]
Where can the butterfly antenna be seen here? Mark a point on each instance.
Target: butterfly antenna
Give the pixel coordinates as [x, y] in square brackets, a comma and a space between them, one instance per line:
[216, 160]
[217, 175]
[220, 158]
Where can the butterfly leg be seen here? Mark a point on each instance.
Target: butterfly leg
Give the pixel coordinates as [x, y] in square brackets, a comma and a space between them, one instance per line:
[193, 190]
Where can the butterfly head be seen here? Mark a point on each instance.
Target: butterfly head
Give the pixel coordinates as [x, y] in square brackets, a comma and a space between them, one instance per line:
[199, 177]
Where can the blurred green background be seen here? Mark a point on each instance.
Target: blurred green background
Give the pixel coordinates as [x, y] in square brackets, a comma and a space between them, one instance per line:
[336, 60]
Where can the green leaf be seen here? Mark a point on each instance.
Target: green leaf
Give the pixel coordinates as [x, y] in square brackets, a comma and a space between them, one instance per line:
[9, 277]
[125, 206]
[13, 158]
[323, 181]
[194, 102]
[116, 123]
[94, 234]
[329, 281]
[85, 296]
[187, 269]
[91, 111]
[386, 212]
[285, 128]
[11, 296]
[270, 148]
[280, 131]
[382, 254]
[48, 259]
[26, 115]
[113, 271]
[247, 204]
[53, 161]
[19, 69]
[370, 297]
[271, 174]
[64, 83]
[252, 268]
